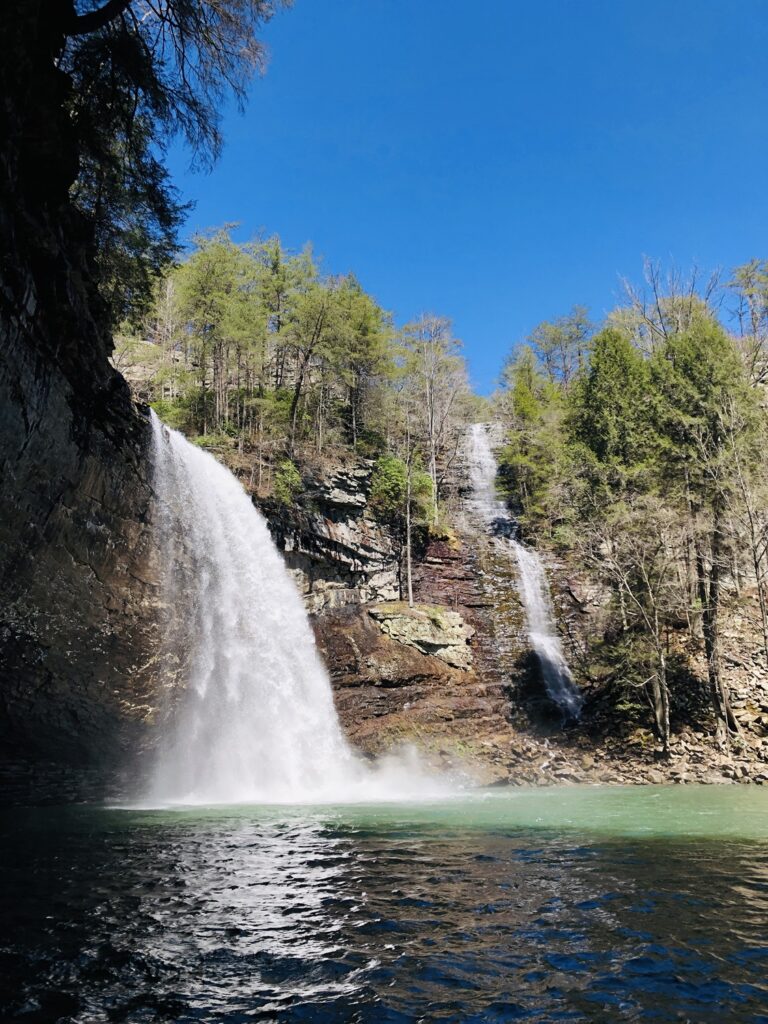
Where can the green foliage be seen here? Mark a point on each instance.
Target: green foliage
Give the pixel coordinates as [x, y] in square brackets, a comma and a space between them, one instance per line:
[173, 412]
[371, 443]
[610, 404]
[220, 440]
[386, 500]
[701, 383]
[258, 331]
[534, 456]
[287, 483]
[389, 490]
[609, 423]
[421, 494]
[522, 376]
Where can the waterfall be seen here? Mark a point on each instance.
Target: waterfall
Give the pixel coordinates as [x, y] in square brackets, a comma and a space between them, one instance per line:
[532, 579]
[254, 719]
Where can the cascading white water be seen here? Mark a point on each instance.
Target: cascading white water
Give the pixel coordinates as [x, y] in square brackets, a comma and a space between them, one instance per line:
[533, 586]
[255, 721]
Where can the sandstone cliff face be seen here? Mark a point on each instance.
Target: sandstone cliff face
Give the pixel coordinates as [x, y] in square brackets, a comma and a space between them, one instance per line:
[430, 629]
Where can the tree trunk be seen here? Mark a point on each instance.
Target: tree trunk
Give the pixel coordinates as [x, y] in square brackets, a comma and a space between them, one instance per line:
[408, 573]
[664, 688]
[295, 403]
[433, 475]
[408, 470]
[709, 597]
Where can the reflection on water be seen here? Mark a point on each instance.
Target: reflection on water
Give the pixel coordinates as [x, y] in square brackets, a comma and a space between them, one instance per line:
[465, 912]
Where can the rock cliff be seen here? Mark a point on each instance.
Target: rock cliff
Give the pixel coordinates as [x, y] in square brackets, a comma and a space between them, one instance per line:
[77, 625]
[75, 592]
[336, 552]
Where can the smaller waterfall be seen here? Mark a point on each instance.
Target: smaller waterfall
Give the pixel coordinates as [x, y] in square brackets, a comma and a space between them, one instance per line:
[533, 586]
[534, 591]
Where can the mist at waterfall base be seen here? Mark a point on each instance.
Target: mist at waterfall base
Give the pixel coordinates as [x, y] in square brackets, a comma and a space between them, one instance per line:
[255, 720]
[533, 586]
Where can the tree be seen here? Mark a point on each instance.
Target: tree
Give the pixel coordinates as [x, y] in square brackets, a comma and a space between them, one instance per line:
[365, 357]
[699, 377]
[532, 407]
[130, 75]
[287, 482]
[281, 274]
[667, 303]
[610, 403]
[749, 285]
[562, 345]
[635, 549]
[524, 385]
[431, 359]
[400, 495]
[316, 324]
[220, 305]
[746, 440]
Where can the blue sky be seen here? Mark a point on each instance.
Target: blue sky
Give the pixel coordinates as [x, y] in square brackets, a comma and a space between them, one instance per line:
[498, 162]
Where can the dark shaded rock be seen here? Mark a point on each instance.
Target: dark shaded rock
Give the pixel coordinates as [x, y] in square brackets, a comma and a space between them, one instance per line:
[75, 563]
[77, 628]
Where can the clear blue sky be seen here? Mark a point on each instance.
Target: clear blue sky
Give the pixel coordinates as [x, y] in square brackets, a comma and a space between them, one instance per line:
[497, 162]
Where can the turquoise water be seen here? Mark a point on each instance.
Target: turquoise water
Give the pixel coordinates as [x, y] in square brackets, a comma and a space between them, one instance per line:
[621, 811]
[560, 904]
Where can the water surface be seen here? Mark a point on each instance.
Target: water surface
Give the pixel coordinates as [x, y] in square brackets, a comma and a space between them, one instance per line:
[563, 904]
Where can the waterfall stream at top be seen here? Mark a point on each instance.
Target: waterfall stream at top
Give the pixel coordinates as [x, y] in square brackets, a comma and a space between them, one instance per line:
[532, 580]
[255, 720]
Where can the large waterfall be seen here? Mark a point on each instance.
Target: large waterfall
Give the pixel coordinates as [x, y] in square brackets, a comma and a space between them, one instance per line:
[255, 720]
[533, 586]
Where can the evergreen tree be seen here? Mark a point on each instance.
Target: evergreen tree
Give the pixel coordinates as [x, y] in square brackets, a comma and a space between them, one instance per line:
[701, 381]
[609, 416]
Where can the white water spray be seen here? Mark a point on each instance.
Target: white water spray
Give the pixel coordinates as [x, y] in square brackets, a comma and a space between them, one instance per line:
[255, 722]
[533, 586]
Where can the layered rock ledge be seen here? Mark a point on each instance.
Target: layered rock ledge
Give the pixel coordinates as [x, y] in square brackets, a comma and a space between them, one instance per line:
[429, 628]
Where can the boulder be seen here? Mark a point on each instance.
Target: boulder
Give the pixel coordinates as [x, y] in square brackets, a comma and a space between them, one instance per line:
[429, 628]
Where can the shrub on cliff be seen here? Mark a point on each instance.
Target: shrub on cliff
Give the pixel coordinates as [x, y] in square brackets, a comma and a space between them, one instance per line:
[287, 482]
[389, 490]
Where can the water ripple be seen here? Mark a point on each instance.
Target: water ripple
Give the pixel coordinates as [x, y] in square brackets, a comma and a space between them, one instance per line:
[114, 916]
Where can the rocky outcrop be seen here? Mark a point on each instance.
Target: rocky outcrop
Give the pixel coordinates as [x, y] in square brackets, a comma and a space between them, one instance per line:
[337, 553]
[389, 693]
[429, 628]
